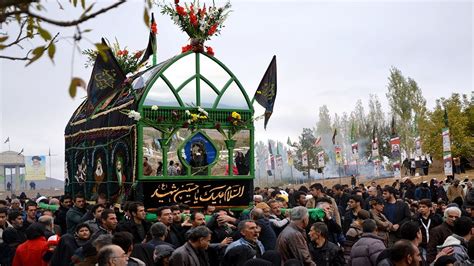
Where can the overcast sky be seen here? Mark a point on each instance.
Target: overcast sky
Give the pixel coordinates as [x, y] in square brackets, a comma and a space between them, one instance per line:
[330, 53]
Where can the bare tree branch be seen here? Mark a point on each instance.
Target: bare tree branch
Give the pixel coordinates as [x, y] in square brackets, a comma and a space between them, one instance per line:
[26, 57]
[18, 38]
[74, 22]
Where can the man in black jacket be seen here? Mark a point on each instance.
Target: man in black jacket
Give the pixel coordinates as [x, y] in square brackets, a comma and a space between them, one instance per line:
[341, 198]
[137, 225]
[74, 214]
[65, 203]
[334, 234]
[439, 234]
[323, 252]
[426, 221]
[174, 236]
[267, 235]
[396, 211]
[355, 205]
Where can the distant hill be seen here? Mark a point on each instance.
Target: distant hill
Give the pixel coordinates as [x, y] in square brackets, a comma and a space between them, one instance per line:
[49, 183]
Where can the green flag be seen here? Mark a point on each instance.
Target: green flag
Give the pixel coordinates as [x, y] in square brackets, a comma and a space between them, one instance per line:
[353, 133]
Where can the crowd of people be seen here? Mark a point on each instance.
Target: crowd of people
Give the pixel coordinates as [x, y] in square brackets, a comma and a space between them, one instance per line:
[402, 224]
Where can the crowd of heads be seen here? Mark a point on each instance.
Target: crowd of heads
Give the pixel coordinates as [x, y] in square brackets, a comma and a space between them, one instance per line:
[402, 224]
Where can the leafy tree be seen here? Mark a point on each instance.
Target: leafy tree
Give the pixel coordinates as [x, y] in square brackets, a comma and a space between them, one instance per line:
[306, 144]
[323, 126]
[405, 99]
[459, 116]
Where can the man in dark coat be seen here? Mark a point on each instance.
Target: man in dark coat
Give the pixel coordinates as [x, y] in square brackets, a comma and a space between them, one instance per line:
[174, 236]
[426, 221]
[396, 211]
[74, 214]
[366, 250]
[323, 252]
[341, 198]
[267, 235]
[60, 215]
[137, 225]
[158, 233]
[439, 234]
[193, 252]
[13, 236]
[355, 205]
[292, 241]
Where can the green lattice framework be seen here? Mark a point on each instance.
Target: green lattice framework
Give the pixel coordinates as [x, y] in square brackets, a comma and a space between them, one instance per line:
[216, 114]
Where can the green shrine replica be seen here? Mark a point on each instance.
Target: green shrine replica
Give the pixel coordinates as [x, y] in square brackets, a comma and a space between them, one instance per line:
[181, 131]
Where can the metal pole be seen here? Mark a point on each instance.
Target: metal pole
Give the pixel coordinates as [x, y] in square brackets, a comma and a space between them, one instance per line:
[50, 169]
[340, 174]
[291, 171]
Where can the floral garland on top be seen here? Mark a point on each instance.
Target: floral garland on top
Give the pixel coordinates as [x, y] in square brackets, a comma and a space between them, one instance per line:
[129, 62]
[193, 119]
[200, 23]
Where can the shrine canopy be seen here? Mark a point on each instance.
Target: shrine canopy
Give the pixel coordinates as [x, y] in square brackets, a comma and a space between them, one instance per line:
[174, 92]
[190, 80]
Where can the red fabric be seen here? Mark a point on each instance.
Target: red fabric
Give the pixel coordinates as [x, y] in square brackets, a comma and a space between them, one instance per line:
[234, 170]
[31, 253]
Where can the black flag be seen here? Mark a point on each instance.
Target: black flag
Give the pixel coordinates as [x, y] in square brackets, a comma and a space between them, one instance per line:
[267, 90]
[151, 48]
[446, 120]
[393, 126]
[107, 75]
[373, 134]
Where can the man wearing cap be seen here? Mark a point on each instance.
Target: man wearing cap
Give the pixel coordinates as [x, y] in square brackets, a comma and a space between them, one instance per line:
[383, 224]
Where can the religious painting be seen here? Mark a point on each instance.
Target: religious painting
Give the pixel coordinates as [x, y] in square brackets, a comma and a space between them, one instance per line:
[199, 152]
[99, 174]
[120, 172]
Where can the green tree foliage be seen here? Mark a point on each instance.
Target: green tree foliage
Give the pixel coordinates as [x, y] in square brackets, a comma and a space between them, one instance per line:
[405, 99]
[460, 115]
[323, 126]
[306, 144]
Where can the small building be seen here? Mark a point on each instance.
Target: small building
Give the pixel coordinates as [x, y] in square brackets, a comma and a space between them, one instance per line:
[12, 167]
